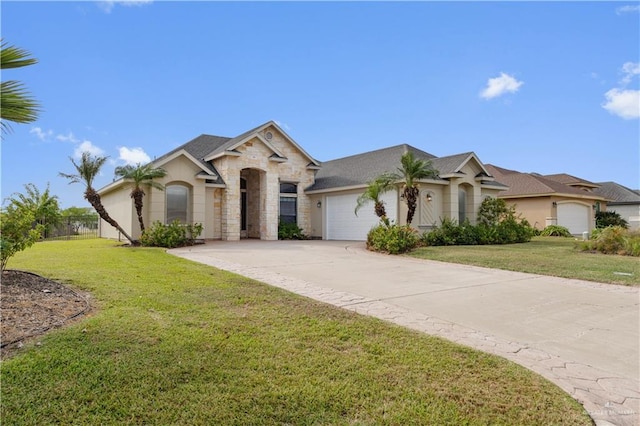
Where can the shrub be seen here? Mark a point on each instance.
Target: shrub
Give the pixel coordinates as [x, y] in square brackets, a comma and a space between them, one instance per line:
[614, 240]
[493, 210]
[511, 231]
[605, 219]
[507, 231]
[18, 231]
[555, 231]
[290, 231]
[392, 238]
[175, 234]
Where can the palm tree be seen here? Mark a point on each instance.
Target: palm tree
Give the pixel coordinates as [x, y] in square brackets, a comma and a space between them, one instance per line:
[15, 103]
[374, 191]
[88, 169]
[140, 175]
[411, 170]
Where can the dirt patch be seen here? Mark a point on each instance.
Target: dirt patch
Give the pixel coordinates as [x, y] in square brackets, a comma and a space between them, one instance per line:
[31, 305]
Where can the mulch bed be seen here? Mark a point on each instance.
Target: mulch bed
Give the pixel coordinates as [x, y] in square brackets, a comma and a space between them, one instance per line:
[31, 305]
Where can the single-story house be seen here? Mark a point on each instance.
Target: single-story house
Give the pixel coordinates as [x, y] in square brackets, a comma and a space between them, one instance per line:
[242, 187]
[622, 200]
[558, 199]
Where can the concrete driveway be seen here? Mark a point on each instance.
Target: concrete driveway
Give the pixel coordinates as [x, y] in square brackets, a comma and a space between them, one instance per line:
[582, 336]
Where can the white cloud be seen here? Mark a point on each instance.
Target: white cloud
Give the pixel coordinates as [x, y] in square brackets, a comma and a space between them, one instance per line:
[67, 138]
[630, 69]
[623, 103]
[88, 146]
[108, 5]
[133, 156]
[627, 9]
[500, 85]
[41, 134]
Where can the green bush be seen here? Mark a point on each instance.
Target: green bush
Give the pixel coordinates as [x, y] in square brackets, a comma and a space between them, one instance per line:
[494, 210]
[175, 234]
[605, 219]
[392, 238]
[18, 231]
[507, 231]
[614, 240]
[555, 231]
[290, 231]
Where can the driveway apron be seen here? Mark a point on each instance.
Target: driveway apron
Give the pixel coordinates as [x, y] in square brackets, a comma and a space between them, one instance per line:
[583, 336]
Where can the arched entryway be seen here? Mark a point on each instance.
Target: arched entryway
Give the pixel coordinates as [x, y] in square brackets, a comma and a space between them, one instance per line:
[252, 195]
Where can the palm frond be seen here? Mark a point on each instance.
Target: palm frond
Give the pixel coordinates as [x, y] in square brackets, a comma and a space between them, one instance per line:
[88, 168]
[14, 57]
[16, 104]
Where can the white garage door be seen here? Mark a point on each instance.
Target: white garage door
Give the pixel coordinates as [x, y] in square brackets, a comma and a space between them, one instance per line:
[343, 224]
[575, 217]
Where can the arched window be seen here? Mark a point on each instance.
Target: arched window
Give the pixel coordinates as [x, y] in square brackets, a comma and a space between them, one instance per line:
[288, 203]
[177, 203]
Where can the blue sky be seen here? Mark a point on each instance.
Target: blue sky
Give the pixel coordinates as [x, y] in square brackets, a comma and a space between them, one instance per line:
[537, 87]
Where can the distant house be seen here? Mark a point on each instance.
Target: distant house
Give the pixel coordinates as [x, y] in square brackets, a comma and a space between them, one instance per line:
[622, 200]
[558, 199]
[242, 187]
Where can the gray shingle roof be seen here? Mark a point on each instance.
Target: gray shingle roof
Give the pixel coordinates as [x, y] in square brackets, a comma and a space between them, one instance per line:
[450, 164]
[618, 194]
[362, 168]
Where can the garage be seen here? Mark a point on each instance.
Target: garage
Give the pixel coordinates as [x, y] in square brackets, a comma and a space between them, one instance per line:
[575, 217]
[343, 224]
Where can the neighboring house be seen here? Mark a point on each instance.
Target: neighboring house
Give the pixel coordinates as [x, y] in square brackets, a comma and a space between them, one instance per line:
[622, 200]
[558, 199]
[242, 187]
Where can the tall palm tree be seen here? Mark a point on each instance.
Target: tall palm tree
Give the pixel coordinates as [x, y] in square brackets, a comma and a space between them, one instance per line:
[140, 176]
[88, 169]
[374, 191]
[412, 169]
[15, 102]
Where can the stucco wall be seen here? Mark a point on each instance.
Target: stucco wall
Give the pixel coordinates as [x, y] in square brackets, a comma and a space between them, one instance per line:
[538, 211]
[180, 170]
[315, 216]
[630, 213]
[120, 207]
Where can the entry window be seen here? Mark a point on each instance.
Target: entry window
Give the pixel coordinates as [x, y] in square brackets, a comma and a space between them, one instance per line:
[462, 205]
[177, 203]
[288, 202]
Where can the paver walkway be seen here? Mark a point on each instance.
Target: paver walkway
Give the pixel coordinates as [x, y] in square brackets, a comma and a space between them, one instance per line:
[582, 336]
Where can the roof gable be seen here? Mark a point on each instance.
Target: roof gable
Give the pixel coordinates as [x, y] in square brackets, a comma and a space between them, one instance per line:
[533, 184]
[570, 180]
[453, 164]
[229, 147]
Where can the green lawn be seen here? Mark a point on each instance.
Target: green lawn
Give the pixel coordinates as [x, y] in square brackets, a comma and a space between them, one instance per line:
[175, 342]
[543, 255]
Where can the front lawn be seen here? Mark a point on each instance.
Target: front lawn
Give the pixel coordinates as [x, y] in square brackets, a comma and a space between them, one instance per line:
[175, 342]
[543, 255]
